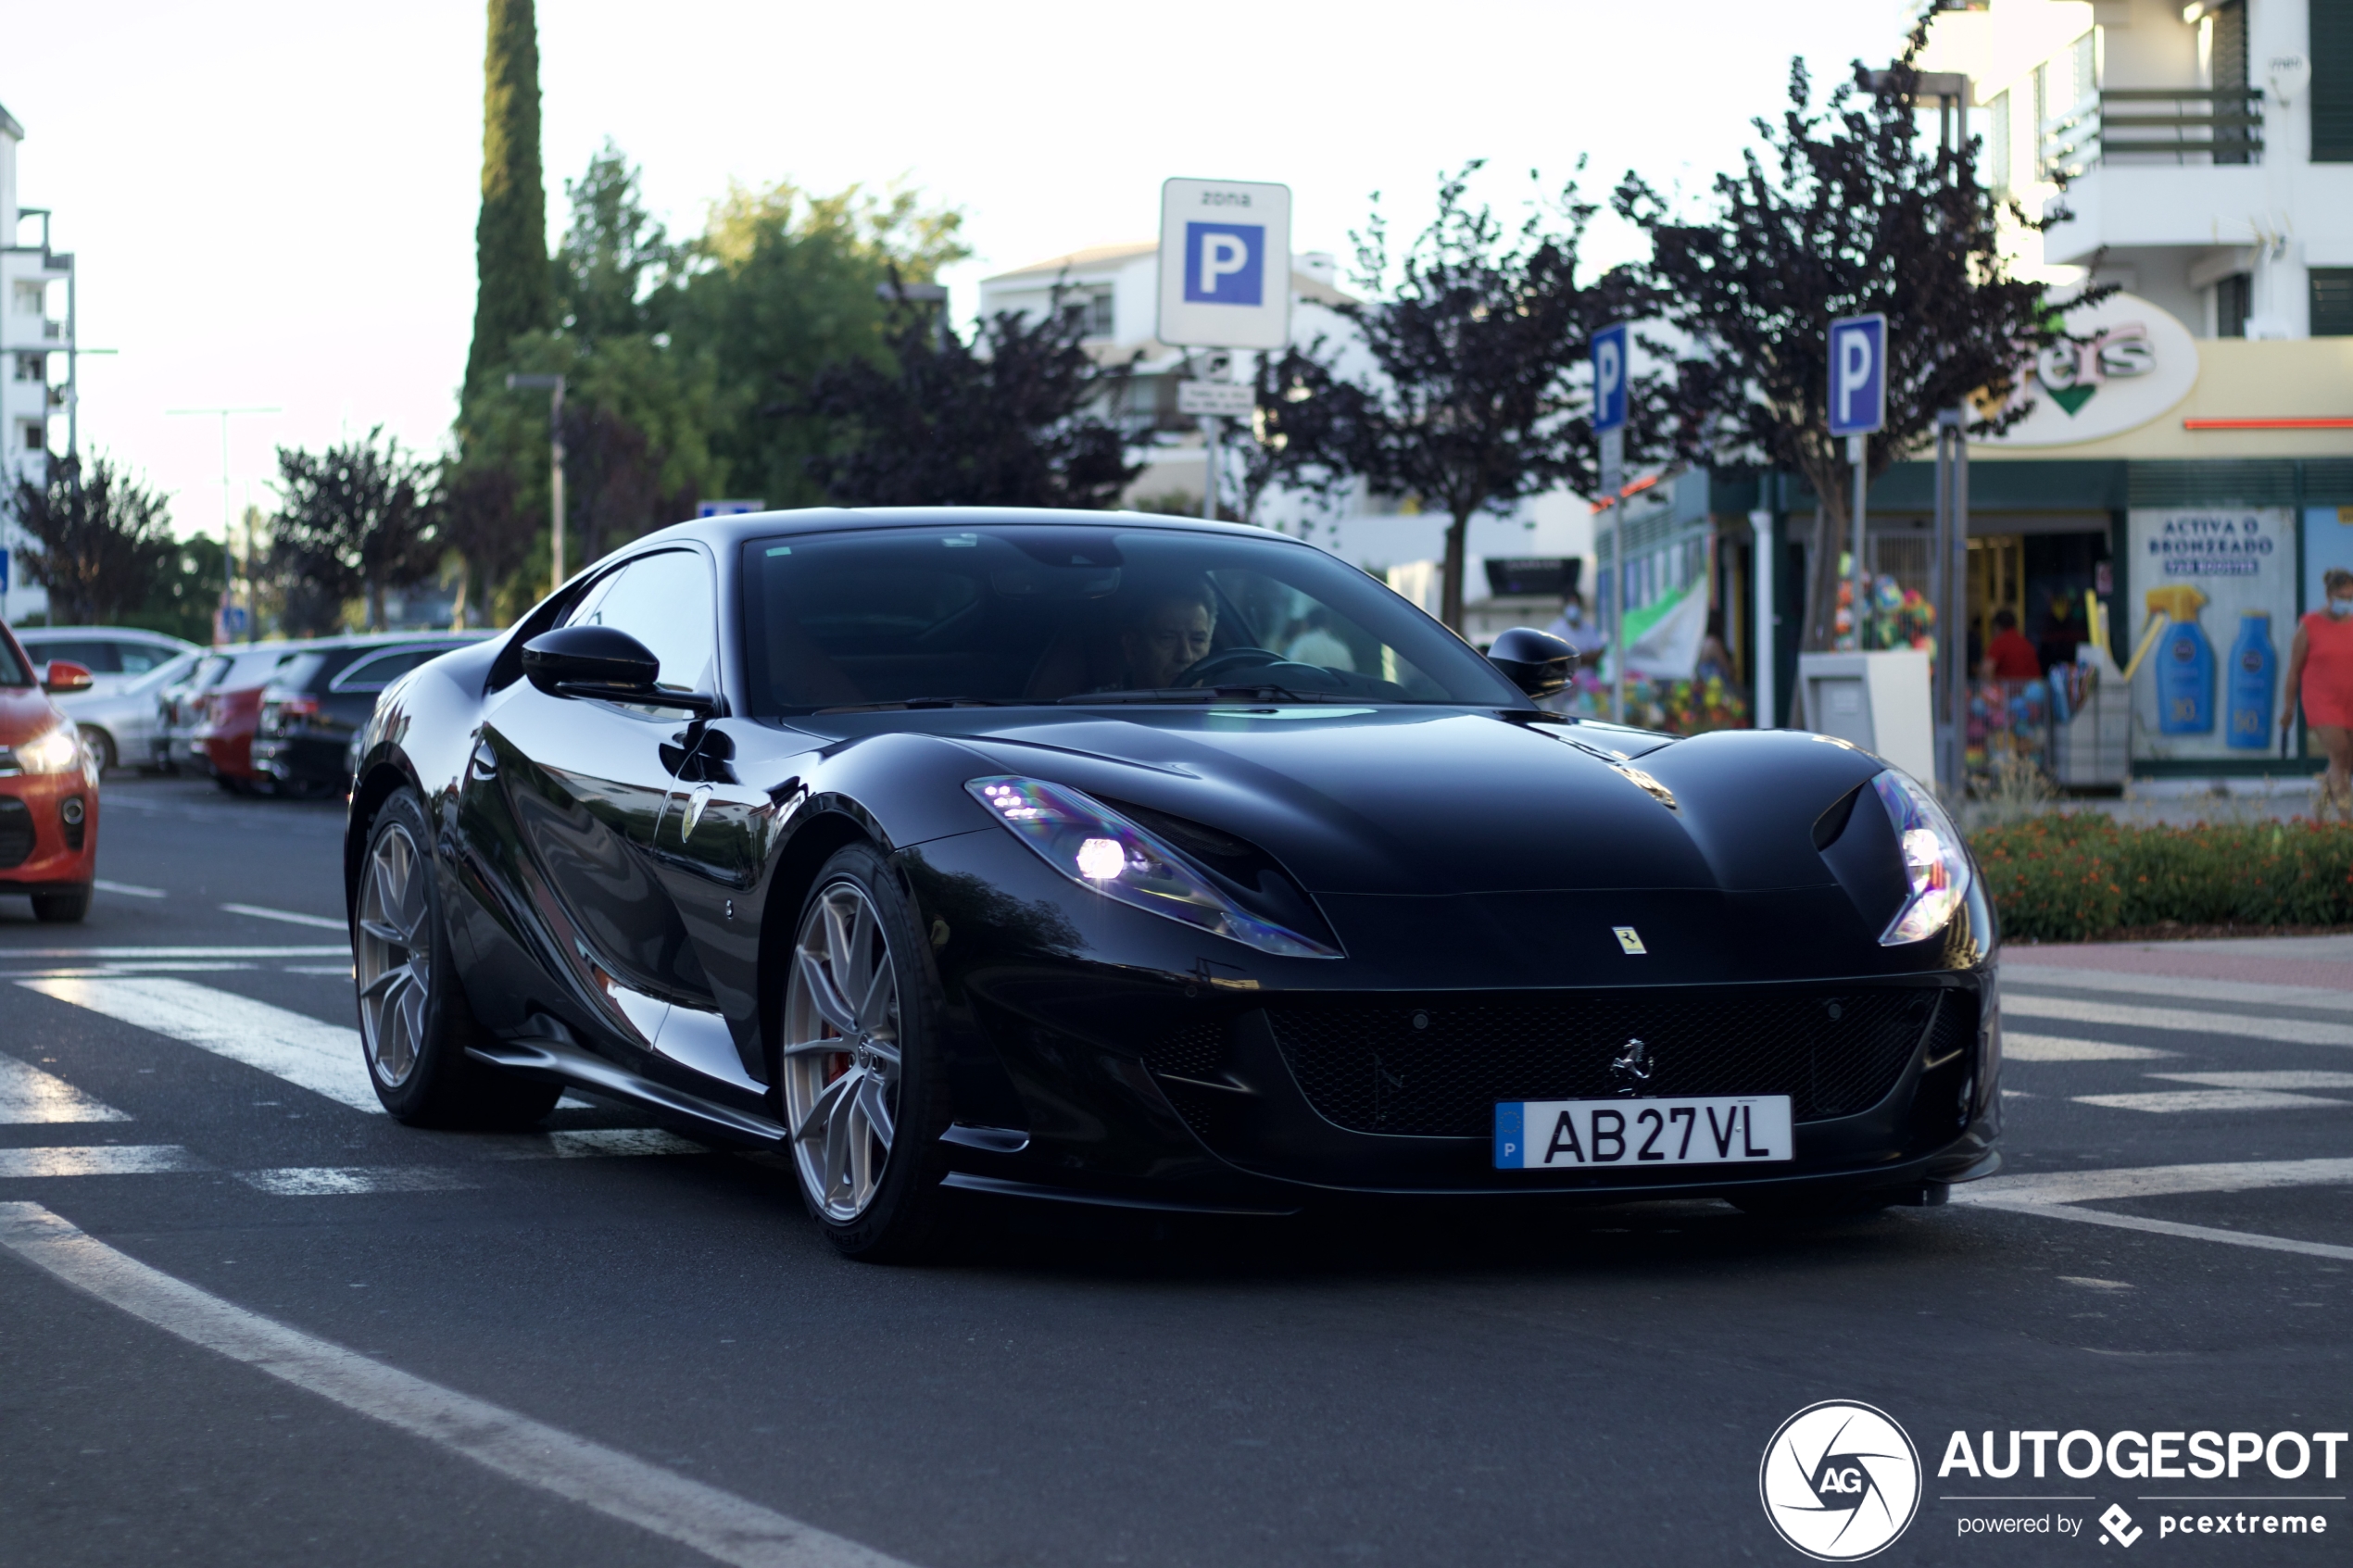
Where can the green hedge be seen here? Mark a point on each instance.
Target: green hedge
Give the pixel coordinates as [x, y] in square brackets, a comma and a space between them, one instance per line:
[2066, 877]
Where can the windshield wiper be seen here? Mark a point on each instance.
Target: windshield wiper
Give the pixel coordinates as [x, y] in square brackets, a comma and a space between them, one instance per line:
[1263, 691]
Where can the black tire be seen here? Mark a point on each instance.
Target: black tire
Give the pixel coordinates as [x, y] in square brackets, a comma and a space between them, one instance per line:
[906, 1215]
[414, 1022]
[101, 744]
[61, 908]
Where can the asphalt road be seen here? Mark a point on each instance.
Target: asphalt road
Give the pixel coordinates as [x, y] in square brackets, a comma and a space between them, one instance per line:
[245, 1321]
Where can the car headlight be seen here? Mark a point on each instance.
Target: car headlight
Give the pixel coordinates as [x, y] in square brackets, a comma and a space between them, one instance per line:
[1936, 864]
[54, 750]
[1097, 848]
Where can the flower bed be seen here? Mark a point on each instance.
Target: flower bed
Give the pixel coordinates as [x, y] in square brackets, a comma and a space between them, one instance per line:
[2069, 877]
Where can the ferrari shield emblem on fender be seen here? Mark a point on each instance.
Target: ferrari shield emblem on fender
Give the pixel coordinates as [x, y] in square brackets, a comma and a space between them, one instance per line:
[1629, 938]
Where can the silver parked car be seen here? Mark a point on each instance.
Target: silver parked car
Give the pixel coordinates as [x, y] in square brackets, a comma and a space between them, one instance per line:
[117, 657]
[121, 726]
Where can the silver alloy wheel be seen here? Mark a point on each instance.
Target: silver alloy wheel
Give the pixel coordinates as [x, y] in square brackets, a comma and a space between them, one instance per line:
[841, 1056]
[393, 956]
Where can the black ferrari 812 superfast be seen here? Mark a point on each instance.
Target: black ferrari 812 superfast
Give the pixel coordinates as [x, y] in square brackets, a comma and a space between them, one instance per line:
[1130, 860]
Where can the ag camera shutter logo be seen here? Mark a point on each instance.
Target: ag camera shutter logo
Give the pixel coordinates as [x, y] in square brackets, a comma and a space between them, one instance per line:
[1840, 1481]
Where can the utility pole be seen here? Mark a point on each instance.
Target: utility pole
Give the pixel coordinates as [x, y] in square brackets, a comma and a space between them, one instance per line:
[253, 607]
[554, 387]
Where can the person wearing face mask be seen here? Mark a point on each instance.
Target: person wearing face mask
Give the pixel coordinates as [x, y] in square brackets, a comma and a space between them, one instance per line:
[2320, 671]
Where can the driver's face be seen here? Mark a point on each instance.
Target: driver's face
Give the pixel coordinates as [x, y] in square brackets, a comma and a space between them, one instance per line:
[1173, 635]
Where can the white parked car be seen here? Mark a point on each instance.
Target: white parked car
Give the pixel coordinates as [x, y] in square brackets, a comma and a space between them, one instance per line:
[124, 727]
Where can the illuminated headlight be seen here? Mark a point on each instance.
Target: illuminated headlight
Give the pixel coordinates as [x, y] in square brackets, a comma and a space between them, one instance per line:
[1936, 866]
[55, 750]
[1096, 846]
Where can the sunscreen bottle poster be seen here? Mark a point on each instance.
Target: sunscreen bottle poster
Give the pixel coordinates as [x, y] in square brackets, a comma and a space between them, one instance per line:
[2212, 612]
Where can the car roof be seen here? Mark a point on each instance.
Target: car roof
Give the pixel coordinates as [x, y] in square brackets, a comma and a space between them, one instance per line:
[722, 532]
[117, 634]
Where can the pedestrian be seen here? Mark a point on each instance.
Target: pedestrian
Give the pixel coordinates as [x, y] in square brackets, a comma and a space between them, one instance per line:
[2320, 671]
[2009, 656]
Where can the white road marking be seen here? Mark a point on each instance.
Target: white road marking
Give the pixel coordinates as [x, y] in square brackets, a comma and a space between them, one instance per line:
[29, 1096]
[2033, 976]
[2154, 1181]
[97, 1160]
[103, 885]
[2287, 1030]
[2192, 1233]
[101, 954]
[2263, 1080]
[719, 1525]
[2175, 1101]
[2058, 1047]
[158, 966]
[322, 1058]
[342, 971]
[258, 912]
[323, 1181]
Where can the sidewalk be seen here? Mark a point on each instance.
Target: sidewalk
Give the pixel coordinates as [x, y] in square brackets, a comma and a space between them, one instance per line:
[2322, 961]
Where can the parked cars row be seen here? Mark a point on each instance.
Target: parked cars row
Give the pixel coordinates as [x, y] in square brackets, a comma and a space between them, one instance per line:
[266, 718]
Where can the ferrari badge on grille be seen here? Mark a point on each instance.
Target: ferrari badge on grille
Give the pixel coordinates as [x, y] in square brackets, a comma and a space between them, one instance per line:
[1629, 938]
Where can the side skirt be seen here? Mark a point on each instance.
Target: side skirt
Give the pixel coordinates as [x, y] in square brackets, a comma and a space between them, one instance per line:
[549, 1059]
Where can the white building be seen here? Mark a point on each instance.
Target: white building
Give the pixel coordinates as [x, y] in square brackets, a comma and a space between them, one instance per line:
[2207, 149]
[35, 286]
[1117, 288]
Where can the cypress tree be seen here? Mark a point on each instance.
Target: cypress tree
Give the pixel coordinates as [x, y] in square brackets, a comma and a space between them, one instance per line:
[514, 292]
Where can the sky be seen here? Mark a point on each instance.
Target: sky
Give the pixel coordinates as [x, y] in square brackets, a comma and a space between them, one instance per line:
[272, 204]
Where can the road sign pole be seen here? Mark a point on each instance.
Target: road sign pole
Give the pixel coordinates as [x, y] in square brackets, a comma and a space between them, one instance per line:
[1209, 469]
[1609, 352]
[1613, 482]
[1858, 452]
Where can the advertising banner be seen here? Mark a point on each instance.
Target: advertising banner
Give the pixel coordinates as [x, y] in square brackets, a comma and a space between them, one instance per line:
[2214, 597]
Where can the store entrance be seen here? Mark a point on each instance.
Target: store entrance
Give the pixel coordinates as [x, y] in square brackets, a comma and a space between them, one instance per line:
[2041, 581]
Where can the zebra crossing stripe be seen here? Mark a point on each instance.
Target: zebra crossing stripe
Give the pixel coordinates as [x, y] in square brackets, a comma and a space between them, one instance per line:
[2073, 1010]
[322, 1058]
[30, 1097]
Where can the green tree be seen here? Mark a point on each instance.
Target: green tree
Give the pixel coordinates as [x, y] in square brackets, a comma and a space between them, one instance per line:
[104, 536]
[354, 520]
[510, 237]
[609, 275]
[480, 520]
[1010, 420]
[1844, 211]
[781, 283]
[185, 593]
[1472, 399]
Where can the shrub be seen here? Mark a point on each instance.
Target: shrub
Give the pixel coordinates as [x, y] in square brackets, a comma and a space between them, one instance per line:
[2068, 877]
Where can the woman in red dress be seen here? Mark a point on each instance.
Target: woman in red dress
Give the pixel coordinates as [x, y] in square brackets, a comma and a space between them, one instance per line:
[2319, 669]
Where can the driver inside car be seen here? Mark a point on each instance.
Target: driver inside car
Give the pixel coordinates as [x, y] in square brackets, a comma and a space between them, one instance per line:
[1170, 633]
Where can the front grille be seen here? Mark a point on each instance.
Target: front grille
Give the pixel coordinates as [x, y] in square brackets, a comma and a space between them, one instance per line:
[1438, 1068]
[1197, 1051]
[16, 834]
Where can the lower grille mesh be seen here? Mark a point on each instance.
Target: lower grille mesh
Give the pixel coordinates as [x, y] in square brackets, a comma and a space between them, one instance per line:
[16, 834]
[1437, 1069]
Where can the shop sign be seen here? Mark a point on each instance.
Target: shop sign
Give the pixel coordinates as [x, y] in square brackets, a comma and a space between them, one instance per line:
[2135, 362]
[2213, 611]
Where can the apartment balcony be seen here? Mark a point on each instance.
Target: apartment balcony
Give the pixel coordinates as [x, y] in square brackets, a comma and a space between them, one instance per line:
[2153, 165]
[2164, 126]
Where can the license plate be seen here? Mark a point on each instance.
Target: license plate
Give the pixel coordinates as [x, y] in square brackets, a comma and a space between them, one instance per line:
[1586, 1135]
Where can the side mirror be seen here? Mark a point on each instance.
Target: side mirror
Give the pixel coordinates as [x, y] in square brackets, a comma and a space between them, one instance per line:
[606, 663]
[1537, 662]
[63, 678]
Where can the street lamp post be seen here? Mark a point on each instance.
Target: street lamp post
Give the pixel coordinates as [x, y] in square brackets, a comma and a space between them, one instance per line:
[555, 385]
[253, 606]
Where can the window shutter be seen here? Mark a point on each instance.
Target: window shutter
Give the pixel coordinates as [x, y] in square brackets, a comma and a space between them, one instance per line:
[2331, 90]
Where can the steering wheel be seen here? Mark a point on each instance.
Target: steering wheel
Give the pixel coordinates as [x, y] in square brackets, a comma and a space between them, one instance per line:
[1208, 671]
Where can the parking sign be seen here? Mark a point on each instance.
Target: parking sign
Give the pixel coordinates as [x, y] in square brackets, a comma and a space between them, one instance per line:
[1609, 379]
[1858, 374]
[1225, 263]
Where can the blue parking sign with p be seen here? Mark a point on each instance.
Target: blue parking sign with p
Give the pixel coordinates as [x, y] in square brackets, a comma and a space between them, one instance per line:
[1609, 379]
[1225, 263]
[1858, 374]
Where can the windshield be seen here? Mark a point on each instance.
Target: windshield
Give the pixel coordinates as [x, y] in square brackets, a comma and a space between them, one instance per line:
[1027, 613]
[12, 670]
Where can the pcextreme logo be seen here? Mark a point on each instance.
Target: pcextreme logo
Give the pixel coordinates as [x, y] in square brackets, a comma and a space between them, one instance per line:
[1840, 1481]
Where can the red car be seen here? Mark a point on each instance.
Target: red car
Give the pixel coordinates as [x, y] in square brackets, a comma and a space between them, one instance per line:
[48, 788]
[223, 737]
